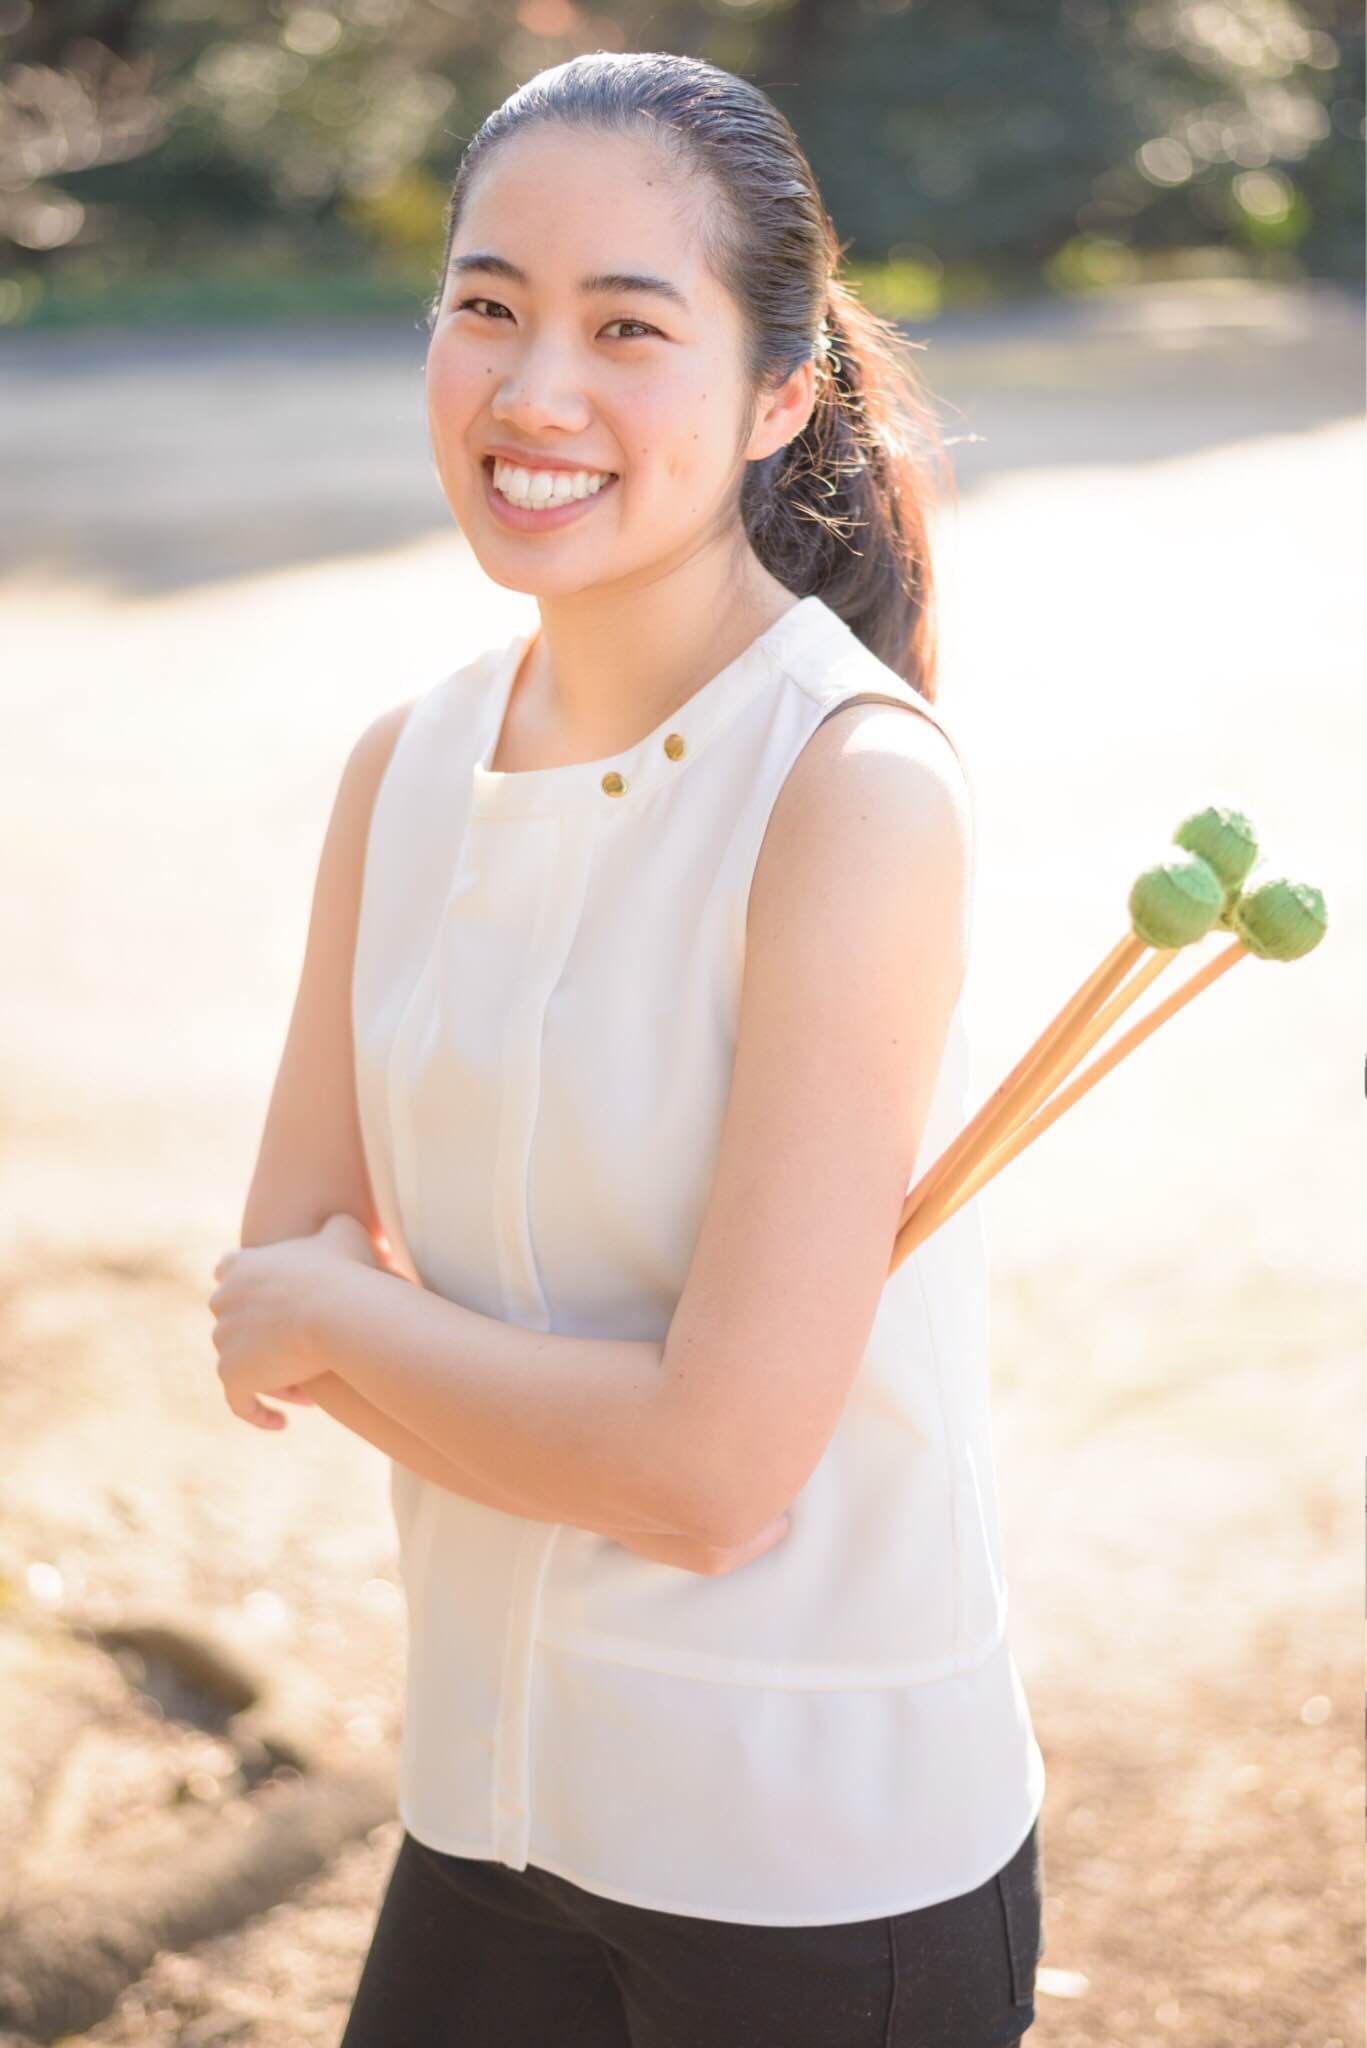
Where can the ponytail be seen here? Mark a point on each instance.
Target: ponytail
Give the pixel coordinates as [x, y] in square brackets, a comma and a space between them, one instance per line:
[841, 511]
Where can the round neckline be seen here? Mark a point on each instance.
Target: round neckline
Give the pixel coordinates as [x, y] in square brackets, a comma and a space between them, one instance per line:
[646, 766]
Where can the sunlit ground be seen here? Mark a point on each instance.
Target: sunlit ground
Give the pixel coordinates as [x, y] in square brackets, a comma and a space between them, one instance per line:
[226, 558]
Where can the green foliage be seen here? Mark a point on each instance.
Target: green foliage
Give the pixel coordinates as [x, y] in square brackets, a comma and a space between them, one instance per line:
[964, 147]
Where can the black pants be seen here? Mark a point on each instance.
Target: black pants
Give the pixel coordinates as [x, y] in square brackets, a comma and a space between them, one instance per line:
[472, 1954]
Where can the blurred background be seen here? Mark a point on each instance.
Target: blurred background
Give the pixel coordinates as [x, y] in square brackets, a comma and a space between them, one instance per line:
[187, 158]
[1128, 242]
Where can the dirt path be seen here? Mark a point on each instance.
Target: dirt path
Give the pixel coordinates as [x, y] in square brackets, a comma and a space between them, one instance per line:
[1150, 586]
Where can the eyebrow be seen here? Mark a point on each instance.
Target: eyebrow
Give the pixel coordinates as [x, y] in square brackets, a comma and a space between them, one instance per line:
[604, 281]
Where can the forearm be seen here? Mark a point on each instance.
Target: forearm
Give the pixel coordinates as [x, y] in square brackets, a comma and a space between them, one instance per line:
[575, 1430]
[346, 1405]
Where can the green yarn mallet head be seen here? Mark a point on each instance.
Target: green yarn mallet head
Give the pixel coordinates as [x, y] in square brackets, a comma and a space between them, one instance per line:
[1281, 920]
[1176, 902]
[1225, 839]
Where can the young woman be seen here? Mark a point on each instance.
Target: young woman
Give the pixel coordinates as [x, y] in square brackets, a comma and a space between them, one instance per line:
[630, 1012]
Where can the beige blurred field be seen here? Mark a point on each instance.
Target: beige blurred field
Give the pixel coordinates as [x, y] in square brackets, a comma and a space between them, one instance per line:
[225, 554]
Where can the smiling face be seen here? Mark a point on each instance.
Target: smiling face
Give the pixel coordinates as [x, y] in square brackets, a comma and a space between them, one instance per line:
[552, 344]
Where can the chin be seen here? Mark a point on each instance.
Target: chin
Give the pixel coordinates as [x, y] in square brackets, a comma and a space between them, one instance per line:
[531, 584]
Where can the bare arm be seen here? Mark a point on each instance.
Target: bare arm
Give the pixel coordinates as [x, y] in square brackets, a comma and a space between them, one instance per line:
[856, 950]
[355, 1413]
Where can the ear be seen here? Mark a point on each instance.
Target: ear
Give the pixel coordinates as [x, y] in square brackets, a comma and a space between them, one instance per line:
[783, 413]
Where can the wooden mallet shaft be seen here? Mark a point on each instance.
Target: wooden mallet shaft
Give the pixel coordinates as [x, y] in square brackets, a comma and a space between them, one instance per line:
[918, 1228]
[1069, 1049]
[995, 1118]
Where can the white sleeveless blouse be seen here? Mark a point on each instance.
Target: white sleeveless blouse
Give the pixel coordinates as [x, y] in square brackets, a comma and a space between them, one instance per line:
[546, 994]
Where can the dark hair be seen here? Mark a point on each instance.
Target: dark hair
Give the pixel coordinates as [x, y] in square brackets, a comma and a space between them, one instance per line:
[840, 511]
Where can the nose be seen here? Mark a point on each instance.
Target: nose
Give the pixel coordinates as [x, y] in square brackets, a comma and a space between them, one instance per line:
[540, 391]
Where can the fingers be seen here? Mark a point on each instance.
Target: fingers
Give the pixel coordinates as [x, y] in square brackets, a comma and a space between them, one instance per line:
[728, 1560]
[768, 1538]
[253, 1409]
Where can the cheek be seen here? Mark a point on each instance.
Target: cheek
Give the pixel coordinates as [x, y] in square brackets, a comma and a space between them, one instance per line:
[456, 379]
[678, 430]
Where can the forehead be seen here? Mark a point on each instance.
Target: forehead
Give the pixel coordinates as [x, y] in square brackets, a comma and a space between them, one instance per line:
[557, 198]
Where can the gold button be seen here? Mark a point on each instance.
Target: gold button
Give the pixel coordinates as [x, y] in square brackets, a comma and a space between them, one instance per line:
[674, 746]
[613, 783]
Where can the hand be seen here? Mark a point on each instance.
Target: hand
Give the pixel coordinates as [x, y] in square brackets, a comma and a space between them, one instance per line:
[265, 1314]
[691, 1556]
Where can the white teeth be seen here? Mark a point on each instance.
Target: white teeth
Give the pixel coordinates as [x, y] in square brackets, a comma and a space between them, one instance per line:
[545, 486]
